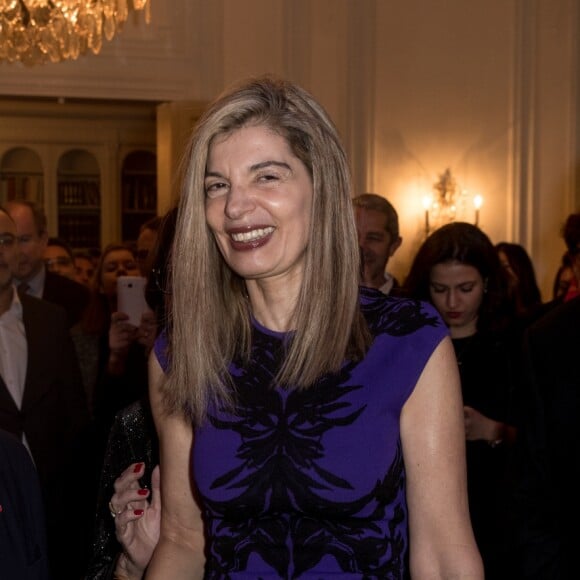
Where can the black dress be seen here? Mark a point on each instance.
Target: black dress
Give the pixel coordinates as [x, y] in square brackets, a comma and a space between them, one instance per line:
[488, 370]
[132, 439]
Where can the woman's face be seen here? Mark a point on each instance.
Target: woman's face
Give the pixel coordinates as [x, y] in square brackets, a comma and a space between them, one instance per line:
[258, 204]
[117, 263]
[84, 270]
[457, 292]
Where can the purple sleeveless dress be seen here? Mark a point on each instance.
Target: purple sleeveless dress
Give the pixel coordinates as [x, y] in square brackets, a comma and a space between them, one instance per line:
[311, 484]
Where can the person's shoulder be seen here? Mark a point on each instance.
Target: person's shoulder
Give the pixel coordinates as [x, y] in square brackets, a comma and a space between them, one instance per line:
[55, 283]
[397, 315]
[564, 316]
[40, 305]
[37, 312]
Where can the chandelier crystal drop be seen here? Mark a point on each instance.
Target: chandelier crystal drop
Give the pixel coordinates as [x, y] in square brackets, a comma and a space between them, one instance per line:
[39, 31]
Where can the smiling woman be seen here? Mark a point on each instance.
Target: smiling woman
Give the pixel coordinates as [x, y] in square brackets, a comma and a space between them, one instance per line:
[259, 201]
[293, 396]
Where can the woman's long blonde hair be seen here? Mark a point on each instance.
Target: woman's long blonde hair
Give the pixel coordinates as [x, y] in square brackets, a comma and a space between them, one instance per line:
[210, 318]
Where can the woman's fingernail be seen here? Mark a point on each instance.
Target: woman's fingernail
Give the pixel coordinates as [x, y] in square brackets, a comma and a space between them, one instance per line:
[143, 492]
[137, 468]
[138, 512]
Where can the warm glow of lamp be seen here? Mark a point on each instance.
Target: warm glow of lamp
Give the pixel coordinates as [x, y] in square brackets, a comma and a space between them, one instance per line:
[448, 203]
[39, 31]
[477, 202]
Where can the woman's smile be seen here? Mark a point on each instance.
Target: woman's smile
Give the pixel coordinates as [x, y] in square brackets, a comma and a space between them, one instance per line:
[251, 237]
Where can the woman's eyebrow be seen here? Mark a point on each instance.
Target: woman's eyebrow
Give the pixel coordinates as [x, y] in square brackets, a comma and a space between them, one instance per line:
[254, 167]
[263, 164]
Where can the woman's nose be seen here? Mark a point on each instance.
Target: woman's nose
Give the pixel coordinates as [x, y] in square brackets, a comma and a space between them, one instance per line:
[451, 299]
[239, 201]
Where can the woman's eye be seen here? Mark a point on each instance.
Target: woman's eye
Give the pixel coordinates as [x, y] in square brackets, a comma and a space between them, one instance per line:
[438, 289]
[267, 177]
[214, 189]
[467, 288]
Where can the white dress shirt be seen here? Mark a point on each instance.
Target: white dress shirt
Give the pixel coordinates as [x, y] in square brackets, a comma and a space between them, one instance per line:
[388, 285]
[13, 350]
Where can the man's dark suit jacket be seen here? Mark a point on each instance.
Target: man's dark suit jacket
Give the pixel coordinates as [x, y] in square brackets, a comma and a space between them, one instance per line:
[23, 552]
[53, 416]
[549, 492]
[71, 295]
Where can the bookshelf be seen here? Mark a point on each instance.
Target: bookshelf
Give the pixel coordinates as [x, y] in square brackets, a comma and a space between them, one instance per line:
[21, 176]
[139, 192]
[79, 199]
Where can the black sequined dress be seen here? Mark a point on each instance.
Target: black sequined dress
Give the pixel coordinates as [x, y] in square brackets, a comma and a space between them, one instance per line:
[132, 439]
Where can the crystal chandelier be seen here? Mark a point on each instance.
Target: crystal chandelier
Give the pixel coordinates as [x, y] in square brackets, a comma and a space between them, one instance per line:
[38, 31]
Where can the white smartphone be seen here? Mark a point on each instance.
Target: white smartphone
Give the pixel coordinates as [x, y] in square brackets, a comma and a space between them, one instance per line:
[131, 297]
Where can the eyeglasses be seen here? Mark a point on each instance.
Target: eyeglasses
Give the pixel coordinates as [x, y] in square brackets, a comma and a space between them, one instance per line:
[7, 240]
[60, 261]
[125, 265]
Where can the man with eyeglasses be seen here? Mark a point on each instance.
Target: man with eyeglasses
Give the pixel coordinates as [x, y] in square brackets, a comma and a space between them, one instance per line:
[31, 274]
[58, 258]
[42, 400]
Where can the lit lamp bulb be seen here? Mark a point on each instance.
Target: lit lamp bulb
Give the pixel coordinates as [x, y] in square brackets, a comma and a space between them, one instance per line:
[427, 203]
[477, 202]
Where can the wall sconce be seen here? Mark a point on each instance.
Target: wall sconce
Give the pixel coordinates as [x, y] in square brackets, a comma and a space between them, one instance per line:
[448, 203]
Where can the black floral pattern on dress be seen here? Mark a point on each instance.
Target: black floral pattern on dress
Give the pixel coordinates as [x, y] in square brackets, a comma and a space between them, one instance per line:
[280, 479]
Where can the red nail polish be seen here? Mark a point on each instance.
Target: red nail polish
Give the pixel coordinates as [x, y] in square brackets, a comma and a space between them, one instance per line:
[138, 512]
[137, 468]
[143, 492]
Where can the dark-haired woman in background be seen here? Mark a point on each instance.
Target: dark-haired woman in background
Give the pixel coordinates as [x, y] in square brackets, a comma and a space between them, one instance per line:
[563, 278]
[523, 291]
[457, 269]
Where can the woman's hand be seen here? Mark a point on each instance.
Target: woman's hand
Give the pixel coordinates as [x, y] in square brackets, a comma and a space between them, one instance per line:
[147, 331]
[121, 333]
[137, 523]
[479, 427]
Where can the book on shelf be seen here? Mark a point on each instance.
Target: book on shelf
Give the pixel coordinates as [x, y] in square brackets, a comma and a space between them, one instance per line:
[77, 193]
[25, 187]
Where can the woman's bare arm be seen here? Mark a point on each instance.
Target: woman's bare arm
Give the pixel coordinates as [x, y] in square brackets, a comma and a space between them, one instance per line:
[180, 552]
[442, 545]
